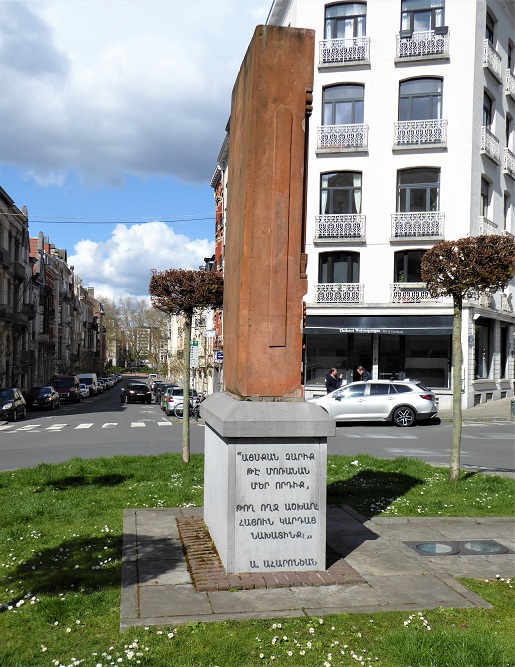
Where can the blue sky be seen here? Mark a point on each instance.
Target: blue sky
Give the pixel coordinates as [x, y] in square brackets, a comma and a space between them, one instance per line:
[114, 119]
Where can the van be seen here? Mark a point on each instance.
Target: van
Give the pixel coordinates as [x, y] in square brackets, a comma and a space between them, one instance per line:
[91, 382]
[67, 386]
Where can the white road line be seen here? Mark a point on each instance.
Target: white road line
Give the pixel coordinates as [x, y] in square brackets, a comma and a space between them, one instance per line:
[109, 424]
[6, 426]
[83, 426]
[56, 427]
[28, 427]
[137, 424]
[164, 423]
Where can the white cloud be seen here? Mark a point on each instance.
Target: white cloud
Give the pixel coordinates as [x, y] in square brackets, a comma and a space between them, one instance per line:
[121, 266]
[107, 88]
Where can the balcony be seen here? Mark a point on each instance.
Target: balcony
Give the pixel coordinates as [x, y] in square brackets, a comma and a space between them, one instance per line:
[509, 87]
[29, 309]
[342, 138]
[420, 134]
[487, 226]
[425, 224]
[5, 258]
[508, 164]
[492, 60]
[350, 51]
[6, 312]
[20, 319]
[19, 270]
[339, 293]
[490, 145]
[411, 293]
[427, 45]
[348, 227]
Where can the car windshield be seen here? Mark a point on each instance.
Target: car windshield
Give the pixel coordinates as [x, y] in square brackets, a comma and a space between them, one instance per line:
[44, 391]
[63, 382]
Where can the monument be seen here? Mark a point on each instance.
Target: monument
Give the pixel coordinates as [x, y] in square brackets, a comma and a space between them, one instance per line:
[265, 447]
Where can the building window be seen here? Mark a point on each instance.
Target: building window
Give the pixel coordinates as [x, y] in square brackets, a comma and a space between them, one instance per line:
[420, 99]
[338, 267]
[344, 21]
[418, 190]
[485, 197]
[422, 15]
[407, 266]
[343, 105]
[487, 110]
[482, 348]
[507, 209]
[504, 366]
[340, 193]
[489, 29]
[509, 123]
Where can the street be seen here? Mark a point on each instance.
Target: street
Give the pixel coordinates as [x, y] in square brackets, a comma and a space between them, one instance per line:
[103, 426]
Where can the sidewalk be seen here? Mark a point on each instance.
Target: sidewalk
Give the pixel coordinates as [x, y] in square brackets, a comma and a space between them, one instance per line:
[492, 411]
[377, 569]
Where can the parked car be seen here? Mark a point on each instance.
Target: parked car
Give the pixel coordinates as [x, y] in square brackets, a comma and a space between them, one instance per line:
[84, 391]
[102, 386]
[175, 397]
[12, 404]
[162, 390]
[67, 386]
[403, 402]
[91, 381]
[109, 382]
[42, 397]
[136, 391]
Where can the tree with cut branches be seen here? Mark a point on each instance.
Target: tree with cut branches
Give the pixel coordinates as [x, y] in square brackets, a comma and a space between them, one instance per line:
[182, 292]
[461, 269]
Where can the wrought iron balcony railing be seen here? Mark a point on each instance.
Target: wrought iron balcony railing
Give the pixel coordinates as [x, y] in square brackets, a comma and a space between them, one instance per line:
[490, 144]
[339, 293]
[344, 51]
[422, 45]
[410, 293]
[340, 227]
[492, 60]
[508, 165]
[417, 225]
[509, 87]
[342, 138]
[487, 226]
[420, 133]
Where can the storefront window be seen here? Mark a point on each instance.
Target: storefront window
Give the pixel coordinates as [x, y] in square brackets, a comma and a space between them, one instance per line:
[482, 348]
[424, 358]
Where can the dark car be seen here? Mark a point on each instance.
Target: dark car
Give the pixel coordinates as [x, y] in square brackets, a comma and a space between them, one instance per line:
[12, 404]
[68, 387]
[162, 389]
[136, 391]
[42, 397]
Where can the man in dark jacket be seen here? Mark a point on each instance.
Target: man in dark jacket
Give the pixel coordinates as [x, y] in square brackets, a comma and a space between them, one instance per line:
[332, 381]
[365, 375]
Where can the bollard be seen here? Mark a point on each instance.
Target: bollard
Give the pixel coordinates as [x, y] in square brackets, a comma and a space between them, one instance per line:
[512, 410]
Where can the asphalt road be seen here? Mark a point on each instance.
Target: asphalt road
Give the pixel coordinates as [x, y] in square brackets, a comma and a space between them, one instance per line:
[103, 426]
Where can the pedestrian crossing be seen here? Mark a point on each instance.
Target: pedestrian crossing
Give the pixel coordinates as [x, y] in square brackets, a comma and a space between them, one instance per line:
[28, 428]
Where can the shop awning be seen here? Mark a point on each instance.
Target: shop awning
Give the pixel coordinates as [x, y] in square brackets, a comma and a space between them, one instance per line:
[404, 325]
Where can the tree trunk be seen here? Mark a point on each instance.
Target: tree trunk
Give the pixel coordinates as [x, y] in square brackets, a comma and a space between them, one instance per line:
[457, 362]
[188, 316]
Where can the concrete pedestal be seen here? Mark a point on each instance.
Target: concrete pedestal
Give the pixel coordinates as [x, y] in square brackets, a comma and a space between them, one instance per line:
[265, 483]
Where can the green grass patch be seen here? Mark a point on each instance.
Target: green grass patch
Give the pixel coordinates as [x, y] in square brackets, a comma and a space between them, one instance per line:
[60, 566]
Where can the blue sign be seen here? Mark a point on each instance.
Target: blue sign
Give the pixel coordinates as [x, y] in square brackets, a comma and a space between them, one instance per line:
[219, 355]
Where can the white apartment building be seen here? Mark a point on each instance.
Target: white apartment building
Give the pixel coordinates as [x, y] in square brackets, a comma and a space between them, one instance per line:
[411, 142]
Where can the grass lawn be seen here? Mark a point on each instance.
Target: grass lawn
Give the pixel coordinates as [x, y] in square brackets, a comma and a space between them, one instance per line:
[60, 567]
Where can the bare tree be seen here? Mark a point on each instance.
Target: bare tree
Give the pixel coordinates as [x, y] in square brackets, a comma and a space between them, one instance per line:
[182, 292]
[460, 269]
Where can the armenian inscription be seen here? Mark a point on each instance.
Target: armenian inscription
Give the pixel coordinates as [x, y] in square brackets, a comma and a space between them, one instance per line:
[278, 509]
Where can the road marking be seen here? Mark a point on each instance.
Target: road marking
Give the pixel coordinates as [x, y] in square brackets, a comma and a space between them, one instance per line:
[28, 427]
[83, 426]
[56, 427]
[109, 424]
[6, 426]
[164, 423]
[137, 424]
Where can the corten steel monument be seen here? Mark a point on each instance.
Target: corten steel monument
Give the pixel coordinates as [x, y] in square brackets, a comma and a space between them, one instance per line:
[265, 277]
[265, 447]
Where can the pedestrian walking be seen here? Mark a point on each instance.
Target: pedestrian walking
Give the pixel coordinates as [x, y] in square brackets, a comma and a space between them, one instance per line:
[332, 381]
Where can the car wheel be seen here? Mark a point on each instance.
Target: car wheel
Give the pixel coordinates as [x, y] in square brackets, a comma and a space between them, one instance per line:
[404, 416]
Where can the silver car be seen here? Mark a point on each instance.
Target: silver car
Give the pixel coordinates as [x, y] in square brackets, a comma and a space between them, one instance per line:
[401, 401]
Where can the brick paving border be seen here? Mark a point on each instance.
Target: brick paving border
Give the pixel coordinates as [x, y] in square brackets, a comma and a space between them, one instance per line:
[208, 573]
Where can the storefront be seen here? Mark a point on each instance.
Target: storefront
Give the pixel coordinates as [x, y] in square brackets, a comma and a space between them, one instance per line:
[392, 347]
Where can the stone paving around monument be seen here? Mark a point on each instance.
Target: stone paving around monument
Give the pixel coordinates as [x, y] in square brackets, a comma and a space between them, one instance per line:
[384, 573]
